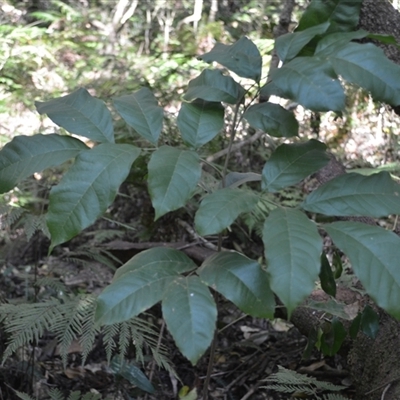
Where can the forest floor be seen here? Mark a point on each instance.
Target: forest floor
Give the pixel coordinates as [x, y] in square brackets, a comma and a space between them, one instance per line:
[248, 349]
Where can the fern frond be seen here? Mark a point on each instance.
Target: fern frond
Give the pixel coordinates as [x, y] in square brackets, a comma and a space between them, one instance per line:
[334, 397]
[10, 215]
[109, 333]
[27, 322]
[288, 381]
[76, 311]
[23, 396]
[52, 283]
[144, 332]
[69, 318]
[55, 394]
[89, 330]
[124, 338]
[31, 224]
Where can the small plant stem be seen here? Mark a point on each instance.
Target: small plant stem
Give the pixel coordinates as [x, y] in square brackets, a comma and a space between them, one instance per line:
[153, 363]
[231, 139]
[224, 171]
[210, 364]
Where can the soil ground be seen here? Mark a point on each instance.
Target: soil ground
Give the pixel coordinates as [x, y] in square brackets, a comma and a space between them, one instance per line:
[248, 349]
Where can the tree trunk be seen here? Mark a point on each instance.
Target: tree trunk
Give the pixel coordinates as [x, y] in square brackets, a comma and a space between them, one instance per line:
[374, 364]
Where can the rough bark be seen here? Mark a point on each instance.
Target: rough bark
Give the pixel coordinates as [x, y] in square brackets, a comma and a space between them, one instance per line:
[374, 364]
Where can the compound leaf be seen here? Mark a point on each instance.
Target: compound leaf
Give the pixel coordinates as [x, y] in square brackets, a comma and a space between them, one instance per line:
[219, 209]
[141, 111]
[290, 163]
[353, 194]
[80, 113]
[140, 283]
[242, 281]
[290, 44]
[190, 313]
[200, 121]
[293, 249]
[25, 155]
[235, 179]
[342, 14]
[212, 85]
[242, 58]
[311, 82]
[173, 176]
[367, 66]
[336, 41]
[87, 189]
[374, 254]
[272, 118]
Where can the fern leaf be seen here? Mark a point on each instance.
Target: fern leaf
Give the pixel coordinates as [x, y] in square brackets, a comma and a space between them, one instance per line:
[124, 338]
[334, 396]
[27, 323]
[89, 329]
[31, 225]
[288, 381]
[75, 395]
[109, 333]
[52, 283]
[55, 394]
[23, 396]
[76, 311]
[12, 215]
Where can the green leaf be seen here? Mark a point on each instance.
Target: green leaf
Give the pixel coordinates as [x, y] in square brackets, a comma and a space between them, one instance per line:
[369, 323]
[355, 327]
[367, 66]
[140, 283]
[242, 281]
[25, 155]
[332, 340]
[190, 313]
[242, 58]
[330, 306]
[336, 41]
[141, 111]
[374, 254]
[293, 249]
[342, 14]
[87, 189]
[288, 46]
[290, 163]
[212, 85]
[272, 118]
[311, 82]
[218, 210]
[326, 277]
[235, 179]
[80, 113]
[385, 39]
[132, 373]
[200, 121]
[337, 265]
[173, 176]
[353, 194]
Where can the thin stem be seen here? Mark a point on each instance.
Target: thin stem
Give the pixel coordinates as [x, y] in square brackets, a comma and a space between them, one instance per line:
[224, 171]
[231, 139]
[210, 364]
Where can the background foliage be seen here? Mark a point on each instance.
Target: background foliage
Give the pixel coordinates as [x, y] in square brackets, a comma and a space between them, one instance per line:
[161, 57]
